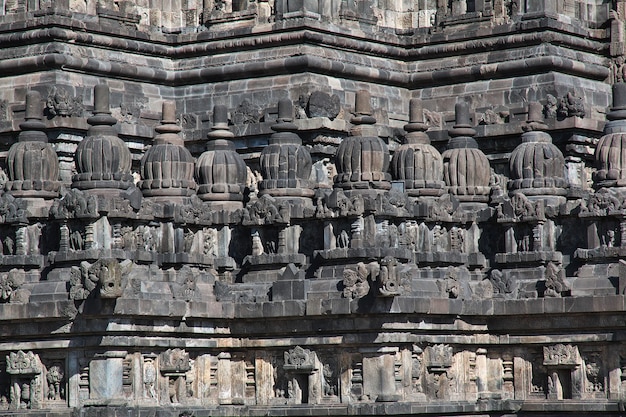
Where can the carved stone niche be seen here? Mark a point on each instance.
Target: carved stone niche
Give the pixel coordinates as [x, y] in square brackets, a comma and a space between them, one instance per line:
[149, 378]
[304, 382]
[174, 365]
[563, 367]
[439, 360]
[25, 371]
[379, 374]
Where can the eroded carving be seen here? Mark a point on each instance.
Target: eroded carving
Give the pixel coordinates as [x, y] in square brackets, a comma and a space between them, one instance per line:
[25, 370]
[299, 359]
[561, 354]
[105, 274]
[555, 280]
[356, 282]
[60, 103]
[10, 283]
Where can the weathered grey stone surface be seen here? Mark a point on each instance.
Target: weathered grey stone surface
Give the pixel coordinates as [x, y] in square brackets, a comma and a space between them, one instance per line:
[282, 207]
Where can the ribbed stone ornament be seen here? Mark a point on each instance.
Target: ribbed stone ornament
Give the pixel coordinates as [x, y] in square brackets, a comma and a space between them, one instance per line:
[362, 159]
[220, 171]
[103, 160]
[167, 168]
[33, 166]
[466, 168]
[537, 167]
[610, 152]
[417, 163]
[285, 164]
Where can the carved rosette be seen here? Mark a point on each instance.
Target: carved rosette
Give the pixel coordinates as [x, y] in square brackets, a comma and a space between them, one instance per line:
[362, 159]
[220, 171]
[417, 163]
[33, 166]
[466, 169]
[285, 164]
[103, 160]
[610, 152]
[537, 166]
[167, 168]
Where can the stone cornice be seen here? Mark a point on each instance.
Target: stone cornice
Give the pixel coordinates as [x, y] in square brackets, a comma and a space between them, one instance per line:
[187, 59]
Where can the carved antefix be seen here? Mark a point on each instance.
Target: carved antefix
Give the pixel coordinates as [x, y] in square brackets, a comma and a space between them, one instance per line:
[561, 355]
[299, 359]
[355, 283]
[10, 283]
[108, 273]
[388, 280]
[105, 273]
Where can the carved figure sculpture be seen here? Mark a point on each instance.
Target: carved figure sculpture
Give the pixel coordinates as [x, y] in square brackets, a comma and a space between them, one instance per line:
[54, 377]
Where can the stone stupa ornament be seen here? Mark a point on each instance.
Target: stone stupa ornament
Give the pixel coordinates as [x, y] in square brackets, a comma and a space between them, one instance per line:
[611, 149]
[167, 168]
[103, 160]
[285, 164]
[466, 168]
[537, 166]
[33, 166]
[220, 171]
[417, 163]
[362, 159]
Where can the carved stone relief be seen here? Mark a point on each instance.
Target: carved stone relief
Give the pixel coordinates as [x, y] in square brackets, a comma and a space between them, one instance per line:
[25, 370]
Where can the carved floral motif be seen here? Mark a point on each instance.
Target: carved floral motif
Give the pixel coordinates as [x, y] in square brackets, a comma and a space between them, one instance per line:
[299, 359]
[561, 354]
[23, 363]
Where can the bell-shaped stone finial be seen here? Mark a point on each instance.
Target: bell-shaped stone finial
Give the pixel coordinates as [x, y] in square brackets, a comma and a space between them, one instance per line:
[220, 171]
[417, 163]
[33, 166]
[167, 168]
[362, 159]
[611, 148]
[103, 160]
[537, 167]
[285, 164]
[466, 168]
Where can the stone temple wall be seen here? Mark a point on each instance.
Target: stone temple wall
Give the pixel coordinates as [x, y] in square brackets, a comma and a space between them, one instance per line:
[302, 207]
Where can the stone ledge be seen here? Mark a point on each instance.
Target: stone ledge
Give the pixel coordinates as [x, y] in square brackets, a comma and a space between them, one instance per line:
[395, 408]
[125, 307]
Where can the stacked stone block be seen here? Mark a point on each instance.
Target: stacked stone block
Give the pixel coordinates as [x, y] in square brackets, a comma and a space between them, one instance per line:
[317, 259]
